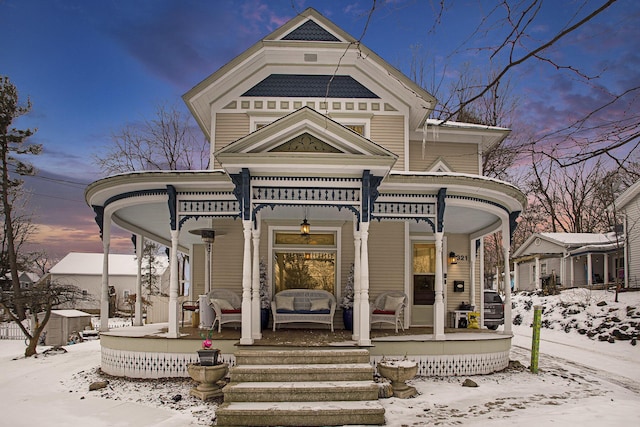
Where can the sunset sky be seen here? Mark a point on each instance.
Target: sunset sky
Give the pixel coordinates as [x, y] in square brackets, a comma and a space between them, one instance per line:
[92, 67]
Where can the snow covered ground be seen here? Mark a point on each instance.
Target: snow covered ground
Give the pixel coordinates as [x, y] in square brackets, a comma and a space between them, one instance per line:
[582, 380]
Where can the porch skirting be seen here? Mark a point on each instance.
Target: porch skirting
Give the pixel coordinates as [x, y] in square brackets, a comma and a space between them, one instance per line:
[157, 357]
[457, 364]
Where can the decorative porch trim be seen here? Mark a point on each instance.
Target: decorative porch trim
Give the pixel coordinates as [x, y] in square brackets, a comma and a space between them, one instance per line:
[140, 364]
[455, 365]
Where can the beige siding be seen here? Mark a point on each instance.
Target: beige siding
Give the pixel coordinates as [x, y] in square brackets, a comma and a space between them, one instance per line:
[632, 212]
[388, 131]
[197, 270]
[386, 257]
[462, 158]
[459, 243]
[229, 127]
[228, 251]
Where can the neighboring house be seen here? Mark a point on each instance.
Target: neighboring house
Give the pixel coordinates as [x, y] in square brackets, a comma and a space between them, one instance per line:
[627, 209]
[576, 259]
[308, 125]
[84, 270]
[27, 279]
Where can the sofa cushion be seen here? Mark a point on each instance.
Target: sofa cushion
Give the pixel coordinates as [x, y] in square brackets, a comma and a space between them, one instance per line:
[392, 303]
[303, 311]
[284, 303]
[319, 304]
[391, 312]
[234, 311]
[223, 304]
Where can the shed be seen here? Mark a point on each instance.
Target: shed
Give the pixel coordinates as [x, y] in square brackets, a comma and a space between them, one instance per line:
[64, 322]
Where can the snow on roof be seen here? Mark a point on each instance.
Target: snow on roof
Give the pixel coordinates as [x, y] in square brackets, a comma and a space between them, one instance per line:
[70, 313]
[91, 264]
[579, 239]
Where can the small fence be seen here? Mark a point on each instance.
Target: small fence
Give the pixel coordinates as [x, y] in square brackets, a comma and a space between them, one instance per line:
[11, 331]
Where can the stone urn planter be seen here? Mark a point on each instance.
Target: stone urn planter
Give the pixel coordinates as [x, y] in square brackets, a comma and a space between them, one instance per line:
[399, 371]
[207, 377]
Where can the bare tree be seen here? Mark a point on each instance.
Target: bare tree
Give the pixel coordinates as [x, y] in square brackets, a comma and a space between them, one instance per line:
[166, 142]
[38, 301]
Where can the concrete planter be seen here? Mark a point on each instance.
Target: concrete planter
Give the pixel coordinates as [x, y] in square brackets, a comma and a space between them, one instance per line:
[207, 377]
[399, 371]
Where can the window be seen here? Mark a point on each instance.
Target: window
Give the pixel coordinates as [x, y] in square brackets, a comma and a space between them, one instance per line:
[304, 262]
[424, 269]
[359, 129]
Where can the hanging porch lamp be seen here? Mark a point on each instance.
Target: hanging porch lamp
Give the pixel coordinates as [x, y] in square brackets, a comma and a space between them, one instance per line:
[305, 227]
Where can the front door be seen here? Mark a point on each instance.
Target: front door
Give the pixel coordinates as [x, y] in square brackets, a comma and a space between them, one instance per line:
[423, 292]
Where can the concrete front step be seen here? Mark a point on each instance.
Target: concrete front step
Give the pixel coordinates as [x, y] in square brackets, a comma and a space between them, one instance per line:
[300, 357]
[307, 372]
[300, 391]
[336, 413]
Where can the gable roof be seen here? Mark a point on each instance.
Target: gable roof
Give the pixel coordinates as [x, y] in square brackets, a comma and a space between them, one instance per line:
[627, 196]
[291, 46]
[90, 264]
[568, 241]
[339, 151]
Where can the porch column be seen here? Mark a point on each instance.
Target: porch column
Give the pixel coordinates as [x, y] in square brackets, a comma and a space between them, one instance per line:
[137, 321]
[438, 305]
[482, 281]
[356, 283]
[472, 259]
[173, 286]
[536, 277]
[207, 268]
[104, 299]
[245, 337]
[364, 286]
[589, 271]
[256, 330]
[506, 246]
[516, 276]
[572, 268]
[606, 268]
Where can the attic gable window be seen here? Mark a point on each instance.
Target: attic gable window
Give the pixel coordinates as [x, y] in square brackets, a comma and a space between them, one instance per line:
[311, 31]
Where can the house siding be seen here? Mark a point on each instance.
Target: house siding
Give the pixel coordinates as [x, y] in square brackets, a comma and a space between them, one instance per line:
[386, 257]
[227, 257]
[228, 128]
[458, 243]
[462, 158]
[388, 131]
[632, 213]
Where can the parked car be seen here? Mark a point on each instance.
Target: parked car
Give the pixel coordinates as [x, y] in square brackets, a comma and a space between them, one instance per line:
[493, 309]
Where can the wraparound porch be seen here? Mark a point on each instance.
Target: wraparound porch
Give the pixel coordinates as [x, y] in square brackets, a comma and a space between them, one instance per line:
[147, 352]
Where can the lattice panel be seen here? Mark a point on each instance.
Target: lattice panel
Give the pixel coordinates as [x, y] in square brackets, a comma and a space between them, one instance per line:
[456, 365]
[133, 364]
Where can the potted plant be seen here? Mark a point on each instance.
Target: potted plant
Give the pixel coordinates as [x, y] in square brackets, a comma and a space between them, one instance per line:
[265, 296]
[208, 355]
[347, 302]
[398, 371]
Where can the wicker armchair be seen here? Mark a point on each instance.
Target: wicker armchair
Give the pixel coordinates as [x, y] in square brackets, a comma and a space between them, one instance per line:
[389, 308]
[226, 305]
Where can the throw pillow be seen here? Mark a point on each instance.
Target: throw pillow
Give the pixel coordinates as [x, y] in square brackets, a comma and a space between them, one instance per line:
[284, 303]
[319, 304]
[392, 303]
[223, 304]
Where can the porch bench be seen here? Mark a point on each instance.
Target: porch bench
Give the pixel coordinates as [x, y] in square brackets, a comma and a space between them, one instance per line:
[303, 305]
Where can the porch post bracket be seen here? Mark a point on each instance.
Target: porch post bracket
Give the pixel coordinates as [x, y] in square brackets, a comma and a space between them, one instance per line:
[513, 216]
[172, 201]
[99, 211]
[441, 207]
[242, 191]
[370, 193]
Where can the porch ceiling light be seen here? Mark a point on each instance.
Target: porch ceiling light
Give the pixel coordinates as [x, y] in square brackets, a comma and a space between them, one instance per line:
[452, 258]
[305, 228]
